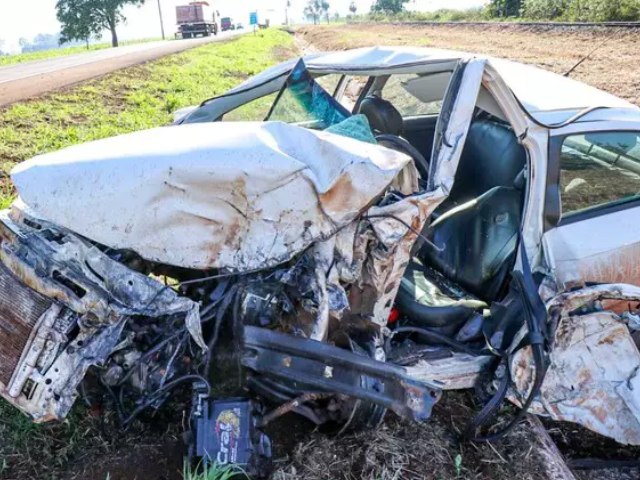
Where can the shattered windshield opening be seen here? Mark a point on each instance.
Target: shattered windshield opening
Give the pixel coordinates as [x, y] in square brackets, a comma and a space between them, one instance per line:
[303, 101]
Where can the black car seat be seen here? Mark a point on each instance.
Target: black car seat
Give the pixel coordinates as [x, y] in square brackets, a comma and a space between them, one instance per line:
[387, 125]
[382, 115]
[491, 157]
[478, 242]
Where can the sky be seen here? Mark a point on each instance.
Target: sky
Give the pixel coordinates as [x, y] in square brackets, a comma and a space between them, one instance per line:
[27, 18]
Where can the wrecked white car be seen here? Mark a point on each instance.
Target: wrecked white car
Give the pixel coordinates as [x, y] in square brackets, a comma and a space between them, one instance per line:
[395, 223]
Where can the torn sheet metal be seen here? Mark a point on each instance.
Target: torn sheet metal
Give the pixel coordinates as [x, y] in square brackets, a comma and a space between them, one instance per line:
[390, 253]
[592, 377]
[239, 195]
[456, 372]
[90, 297]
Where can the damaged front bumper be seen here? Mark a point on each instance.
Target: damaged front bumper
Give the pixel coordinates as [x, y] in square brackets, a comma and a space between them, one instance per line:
[63, 306]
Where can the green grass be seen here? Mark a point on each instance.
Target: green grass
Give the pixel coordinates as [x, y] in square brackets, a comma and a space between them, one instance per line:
[26, 447]
[132, 99]
[61, 52]
[213, 472]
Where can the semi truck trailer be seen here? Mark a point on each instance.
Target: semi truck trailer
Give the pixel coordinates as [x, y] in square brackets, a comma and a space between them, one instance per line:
[196, 19]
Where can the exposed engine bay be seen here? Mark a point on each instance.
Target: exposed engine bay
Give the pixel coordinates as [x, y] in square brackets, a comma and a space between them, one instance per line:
[71, 305]
[306, 308]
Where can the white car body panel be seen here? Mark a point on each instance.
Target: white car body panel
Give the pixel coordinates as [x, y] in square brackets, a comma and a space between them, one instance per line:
[240, 196]
[601, 248]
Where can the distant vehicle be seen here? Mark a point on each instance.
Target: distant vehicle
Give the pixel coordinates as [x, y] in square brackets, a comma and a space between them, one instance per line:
[226, 24]
[196, 19]
[239, 26]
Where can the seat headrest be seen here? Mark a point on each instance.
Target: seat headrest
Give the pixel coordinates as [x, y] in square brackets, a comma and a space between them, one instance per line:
[382, 115]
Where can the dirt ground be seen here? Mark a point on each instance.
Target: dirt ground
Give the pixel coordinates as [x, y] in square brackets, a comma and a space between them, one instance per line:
[614, 66]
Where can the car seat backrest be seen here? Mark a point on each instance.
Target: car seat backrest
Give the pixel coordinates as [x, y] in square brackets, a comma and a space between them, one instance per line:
[478, 241]
[492, 157]
[382, 115]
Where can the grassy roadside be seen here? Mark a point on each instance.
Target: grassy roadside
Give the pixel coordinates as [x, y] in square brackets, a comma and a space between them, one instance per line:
[140, 97]
[132, 99]
[62, 52]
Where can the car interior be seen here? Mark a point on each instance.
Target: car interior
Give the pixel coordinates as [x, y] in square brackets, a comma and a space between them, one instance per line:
[474, 233]
[463, 261]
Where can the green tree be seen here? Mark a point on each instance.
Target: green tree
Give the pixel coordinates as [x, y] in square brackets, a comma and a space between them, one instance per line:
[582, 10]
[544, 9]
[82, 19]
[388, 6]
[316, 9]
[603, 10]
[504, 8]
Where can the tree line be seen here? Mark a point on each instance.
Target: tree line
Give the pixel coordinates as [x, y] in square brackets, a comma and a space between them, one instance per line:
[570, 10]
[566, 10]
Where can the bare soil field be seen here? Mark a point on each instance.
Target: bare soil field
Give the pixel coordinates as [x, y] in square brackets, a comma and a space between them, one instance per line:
[613, 67]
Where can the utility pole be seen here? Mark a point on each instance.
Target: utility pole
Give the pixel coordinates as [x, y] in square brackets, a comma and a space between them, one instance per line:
[161, 21]
[286, 12]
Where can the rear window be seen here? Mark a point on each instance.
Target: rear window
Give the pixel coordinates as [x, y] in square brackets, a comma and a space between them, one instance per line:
[402, 90]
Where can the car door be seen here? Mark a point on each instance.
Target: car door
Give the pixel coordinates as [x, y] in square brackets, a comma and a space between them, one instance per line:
[454, 121]
[592, 204]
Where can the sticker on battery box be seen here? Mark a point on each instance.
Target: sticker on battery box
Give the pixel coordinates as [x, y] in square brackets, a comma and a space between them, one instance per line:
[228, 432]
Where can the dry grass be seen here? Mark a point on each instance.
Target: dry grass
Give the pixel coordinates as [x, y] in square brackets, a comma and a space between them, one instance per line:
[405, 450]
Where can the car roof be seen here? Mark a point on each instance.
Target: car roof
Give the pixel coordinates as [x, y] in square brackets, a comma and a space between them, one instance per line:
[537, 89]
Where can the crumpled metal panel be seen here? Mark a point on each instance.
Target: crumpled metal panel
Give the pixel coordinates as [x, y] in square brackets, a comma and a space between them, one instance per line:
[390, 255]
[86, 289]
[592, 377]
[237, 195]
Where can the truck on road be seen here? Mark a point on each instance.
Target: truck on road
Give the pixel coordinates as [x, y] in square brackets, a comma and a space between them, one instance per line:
[226, 24]
[196, 19]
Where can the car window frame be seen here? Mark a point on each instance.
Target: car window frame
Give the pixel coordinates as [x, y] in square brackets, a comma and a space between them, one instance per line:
[553, 216]
[363, 93]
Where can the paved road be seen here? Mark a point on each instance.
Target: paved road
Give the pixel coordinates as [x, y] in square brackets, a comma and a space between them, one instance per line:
[29, 79]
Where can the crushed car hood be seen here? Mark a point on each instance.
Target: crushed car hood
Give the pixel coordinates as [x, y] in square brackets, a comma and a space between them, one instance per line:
[239, 196]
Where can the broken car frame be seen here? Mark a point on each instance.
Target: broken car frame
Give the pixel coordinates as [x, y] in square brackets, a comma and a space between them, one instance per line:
[296, 243]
